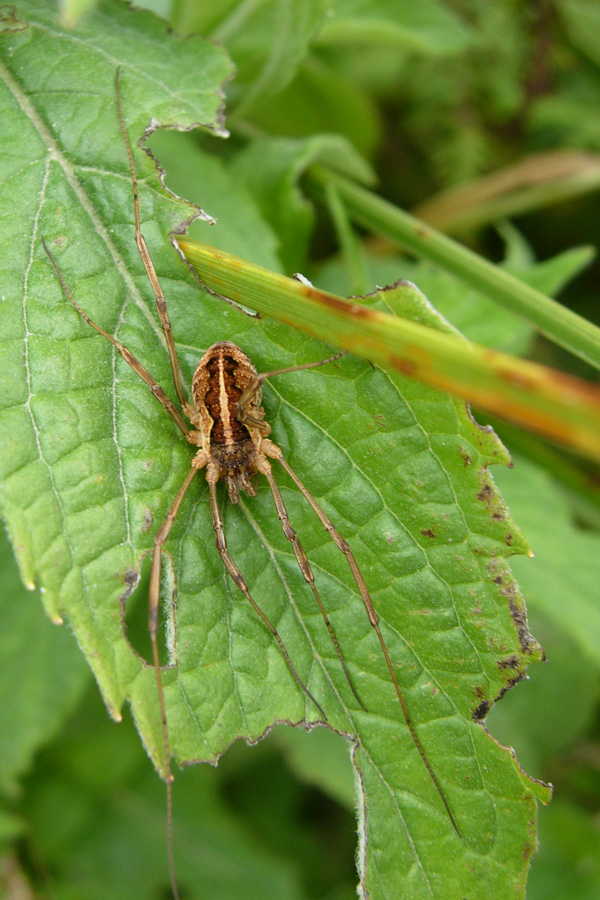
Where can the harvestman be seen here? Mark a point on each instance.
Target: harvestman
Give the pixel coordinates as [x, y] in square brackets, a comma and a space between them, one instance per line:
[232, 437]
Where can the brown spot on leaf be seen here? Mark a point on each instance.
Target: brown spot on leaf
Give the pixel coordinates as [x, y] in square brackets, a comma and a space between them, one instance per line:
[466, 456]
[400, 282]
[486, 429]
[130, 579]
[428, 532]
[9, 20]
[482, 710]
[148, 519]
[521, 676]
[517, 610]
[511, 662]
[508, 588]
[486, 493]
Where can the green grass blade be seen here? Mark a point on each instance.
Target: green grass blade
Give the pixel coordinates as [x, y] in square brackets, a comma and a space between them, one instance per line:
[544, 400]
[559, 324]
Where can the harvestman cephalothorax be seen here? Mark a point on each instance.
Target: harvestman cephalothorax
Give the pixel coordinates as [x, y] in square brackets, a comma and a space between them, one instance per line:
[229, 430]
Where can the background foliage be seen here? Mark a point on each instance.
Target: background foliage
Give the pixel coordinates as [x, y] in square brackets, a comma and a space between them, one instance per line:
[433, 95]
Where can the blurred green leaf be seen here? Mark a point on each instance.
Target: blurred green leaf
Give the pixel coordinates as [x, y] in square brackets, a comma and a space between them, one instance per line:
[72, 11]
[267, 41]
[568, 856]
[427, 26]
[320, 100]
[10, 827]
[321, 758]
[203, 178]
[43, 673]
[108, 838]
[561, 118]
[271, 169]
[582, 19]
[562, 581]
[554, 710]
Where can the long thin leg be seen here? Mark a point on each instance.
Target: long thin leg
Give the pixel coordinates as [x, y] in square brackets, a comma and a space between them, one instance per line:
[161, 305]
[272, 450]
[129, 358]
[262, 376]
[257, 380]
[241, 584]
[307, 573]
[153, 608]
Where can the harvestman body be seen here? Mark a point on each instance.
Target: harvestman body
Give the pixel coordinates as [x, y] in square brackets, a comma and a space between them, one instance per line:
[231, 434]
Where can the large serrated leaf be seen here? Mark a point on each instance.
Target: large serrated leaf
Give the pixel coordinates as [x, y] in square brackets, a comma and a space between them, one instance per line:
[89, 464]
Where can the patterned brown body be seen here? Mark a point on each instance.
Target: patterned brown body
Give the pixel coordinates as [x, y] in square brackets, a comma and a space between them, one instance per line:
[229, 433]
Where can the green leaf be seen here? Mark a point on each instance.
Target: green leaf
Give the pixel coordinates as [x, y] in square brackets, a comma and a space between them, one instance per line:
[267, 40]
[554, 711]
[206, 180]
[90, 462]
[108, 839]
[320, 758]
[582, 20]
[562, 582]
[428, 26]
[320, 99]
[271, 169]
[43, 673]
[569, 854]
